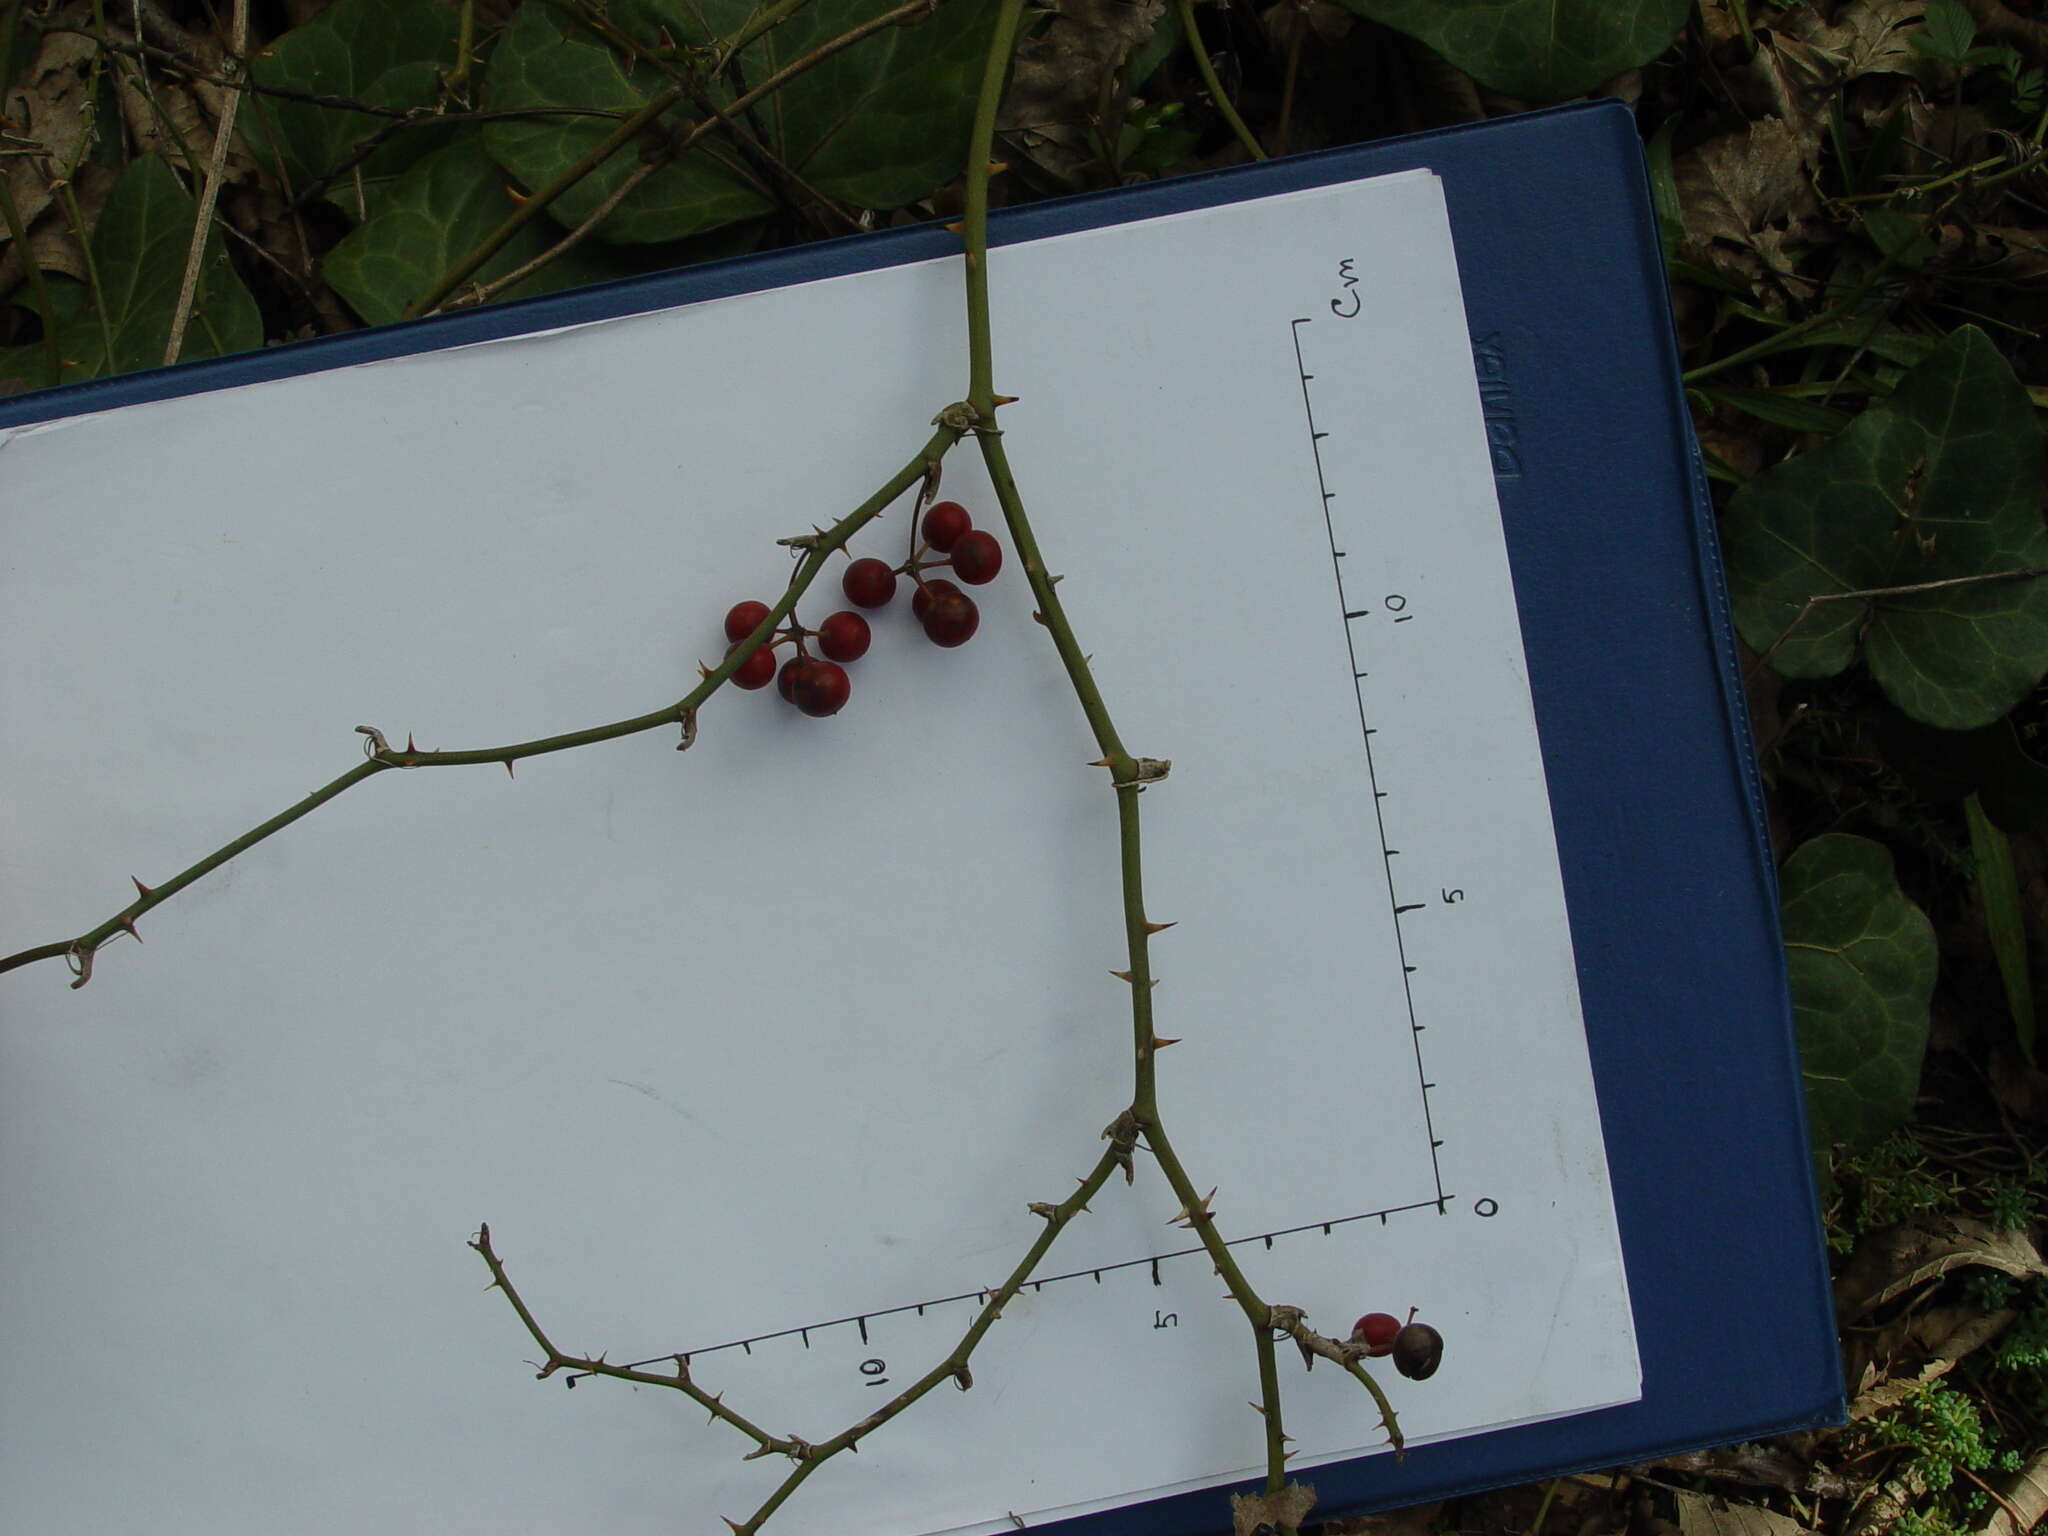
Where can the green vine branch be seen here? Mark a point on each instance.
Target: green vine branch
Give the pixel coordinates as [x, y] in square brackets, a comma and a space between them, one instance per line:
[817, 547]
[1129, 778]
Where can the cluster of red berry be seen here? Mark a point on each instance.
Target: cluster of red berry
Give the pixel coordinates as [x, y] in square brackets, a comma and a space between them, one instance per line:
[1416, 1347]
[818, 685]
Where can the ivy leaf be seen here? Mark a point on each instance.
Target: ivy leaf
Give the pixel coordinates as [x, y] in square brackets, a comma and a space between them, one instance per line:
[1861, 959]
[879, 124]
[1539, 50]
[1940, 482]
[139, 248]
[433, 215]
[536, 65]
[388, 53]
[882, 123]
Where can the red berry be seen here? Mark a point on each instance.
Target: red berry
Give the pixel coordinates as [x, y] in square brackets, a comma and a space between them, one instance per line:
[944, 524]
[845, 636]
[1376, 1331]
[1418, 1350]
[757, 670]
[793, 671]
[822, 689]
[977, 557]
[743, 619]
[951, 619]
[869, 583]
[921, 599]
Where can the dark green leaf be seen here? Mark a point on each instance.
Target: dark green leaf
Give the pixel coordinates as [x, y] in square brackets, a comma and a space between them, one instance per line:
[1948, 32]
[139, 248]
[1779, 409]
[879, 124]
[1540, 50]
[388, 53]
[439, 211]
[1998, 892]
[420, 225]
[1940, 482]
[534, 65]
[1899, 234]
[886, 121]
[1664, 187]
[1862, 960]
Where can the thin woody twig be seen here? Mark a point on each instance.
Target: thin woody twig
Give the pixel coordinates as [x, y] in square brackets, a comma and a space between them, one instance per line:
[492, 243]
[2026, 573]
[209, 195]
[806, 1454]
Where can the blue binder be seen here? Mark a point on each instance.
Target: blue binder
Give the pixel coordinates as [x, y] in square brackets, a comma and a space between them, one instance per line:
[1654, 789]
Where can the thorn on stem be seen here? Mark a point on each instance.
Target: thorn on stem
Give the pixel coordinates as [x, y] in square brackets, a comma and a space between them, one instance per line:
[1160, 1043]
[145, 892]
[1152, 928]
[508, 769]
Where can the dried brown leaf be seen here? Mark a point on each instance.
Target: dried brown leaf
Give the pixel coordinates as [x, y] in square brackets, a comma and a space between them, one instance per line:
[1898, 1259]
[1057, 85]
[2005, 254]
[1766, 1466]
[1250, 1512]
[1748, 202]
[1868, 36]
[50, 109]
[1706, 1514]
[1889, 1394]
[1417, 1520]
[2027, 1494]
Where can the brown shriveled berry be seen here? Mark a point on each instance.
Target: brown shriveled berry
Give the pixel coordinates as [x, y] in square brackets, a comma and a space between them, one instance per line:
[951, 619]
[868, 583]
[977, 557]
[1418, 1350]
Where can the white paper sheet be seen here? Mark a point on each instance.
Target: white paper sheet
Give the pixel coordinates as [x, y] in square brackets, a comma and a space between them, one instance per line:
[773, 1041]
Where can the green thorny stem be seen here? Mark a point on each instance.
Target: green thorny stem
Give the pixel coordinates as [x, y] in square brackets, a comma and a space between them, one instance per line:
[1129, 776]
[379, 756]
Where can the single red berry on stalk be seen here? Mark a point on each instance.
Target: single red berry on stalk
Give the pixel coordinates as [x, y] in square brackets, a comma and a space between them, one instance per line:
[1376, 1332]
[869, 583]
[1418, 1350]
[822, 689]
[977, 557]
[742, 619]
[845, 636]
[944, 524]
[757, 670]
[921, 599]
[792, 671]
[951, 619]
